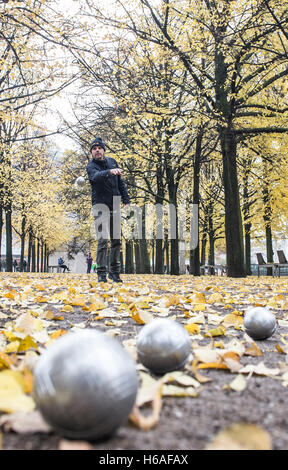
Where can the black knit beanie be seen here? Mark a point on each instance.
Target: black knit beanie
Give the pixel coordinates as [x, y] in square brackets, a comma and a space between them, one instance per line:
[97, 141]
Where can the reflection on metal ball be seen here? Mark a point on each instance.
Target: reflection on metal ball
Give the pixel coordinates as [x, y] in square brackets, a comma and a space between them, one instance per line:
[259, 322]
[80, 181]
[163, 345]
[85, 385]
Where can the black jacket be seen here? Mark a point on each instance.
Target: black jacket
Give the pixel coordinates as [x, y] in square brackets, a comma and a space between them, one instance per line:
[103, 185]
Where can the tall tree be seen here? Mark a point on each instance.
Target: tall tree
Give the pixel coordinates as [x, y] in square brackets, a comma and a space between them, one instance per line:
[245, 46]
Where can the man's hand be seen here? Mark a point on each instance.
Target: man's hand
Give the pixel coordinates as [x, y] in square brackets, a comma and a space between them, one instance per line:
[116, 171]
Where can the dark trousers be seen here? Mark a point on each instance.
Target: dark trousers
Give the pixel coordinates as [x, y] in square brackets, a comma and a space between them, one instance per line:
[65, 268]
[104, 232]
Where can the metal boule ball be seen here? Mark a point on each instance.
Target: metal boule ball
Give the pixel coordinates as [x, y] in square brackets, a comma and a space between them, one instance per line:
[259, 322]
[163, 345]
[80, 181]
[85, 385]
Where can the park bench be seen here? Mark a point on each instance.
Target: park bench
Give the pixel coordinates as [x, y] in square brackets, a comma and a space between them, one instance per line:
[262, 264]
[283, 263]
[54, 268]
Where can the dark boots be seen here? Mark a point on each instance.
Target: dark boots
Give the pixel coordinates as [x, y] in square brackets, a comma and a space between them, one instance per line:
[115, 277]
[102, 278]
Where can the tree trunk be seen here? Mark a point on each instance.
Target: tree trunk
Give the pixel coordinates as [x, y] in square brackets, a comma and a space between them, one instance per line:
[38, 255]
[233, 222]
[159, 261]
[1, 231]
[121, 263]
[195, 253]
[23, 234]
[129, 265]
[203, 248]
[166, 248]
[269, 248]
[172, 191]
[33, 255]
[204, 240]
[9, 260]
[269, 239]
[267, 219]
[246, 216]
[211, 234]
[247, 229]
[45, 258]
[137, 256]
[144, 256]
[29, 260]
[42, 257]
[182, 257]
[174, 250]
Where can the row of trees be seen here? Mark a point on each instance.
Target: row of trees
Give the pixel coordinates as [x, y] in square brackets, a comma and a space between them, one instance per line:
[192, 100]
[30, 73]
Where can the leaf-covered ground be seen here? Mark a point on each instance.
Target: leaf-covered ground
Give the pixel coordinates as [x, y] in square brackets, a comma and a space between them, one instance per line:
[230, 394]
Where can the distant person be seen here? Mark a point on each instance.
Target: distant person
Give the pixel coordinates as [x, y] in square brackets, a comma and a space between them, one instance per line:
[24, 265]
[62, 264]
[106, 182]
[94, 268]
[89, 261]
[15, 265]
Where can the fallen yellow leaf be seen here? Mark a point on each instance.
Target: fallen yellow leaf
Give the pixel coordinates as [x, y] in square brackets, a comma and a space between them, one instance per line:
[150, 391]
[238, 384]
[199, 377]
[253, 350]
[192, 328]
[174, 300]
[213, 365]
[220, 331]
[57, 334]
[176, 391]
[9, 295]
[7, 361]
[12, 393]
[242, 436]
[198, 307]
[137, 318]
[232, 320]
[67, 308]
[215, 298]
[76, 302]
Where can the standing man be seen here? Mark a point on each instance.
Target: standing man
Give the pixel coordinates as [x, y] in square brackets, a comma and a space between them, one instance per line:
[89, 263]
[106, 182]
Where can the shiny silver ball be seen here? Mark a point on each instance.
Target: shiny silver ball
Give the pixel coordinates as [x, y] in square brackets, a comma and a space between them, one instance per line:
[80, 181]
[259, 322]
[85, 385]
[163, 345]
